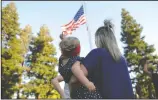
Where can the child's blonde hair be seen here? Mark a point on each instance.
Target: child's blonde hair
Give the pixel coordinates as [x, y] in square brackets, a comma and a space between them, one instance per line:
[68, 44]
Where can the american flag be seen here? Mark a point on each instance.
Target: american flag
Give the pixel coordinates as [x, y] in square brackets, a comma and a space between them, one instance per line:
[78, 20]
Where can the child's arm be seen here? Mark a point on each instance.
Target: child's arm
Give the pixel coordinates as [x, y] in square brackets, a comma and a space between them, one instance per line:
[57, 86]
[79, 74]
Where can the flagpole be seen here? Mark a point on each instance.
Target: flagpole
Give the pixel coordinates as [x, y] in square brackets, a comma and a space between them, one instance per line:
[89, 34]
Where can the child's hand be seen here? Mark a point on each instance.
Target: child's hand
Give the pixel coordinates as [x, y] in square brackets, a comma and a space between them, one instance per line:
[91, 86]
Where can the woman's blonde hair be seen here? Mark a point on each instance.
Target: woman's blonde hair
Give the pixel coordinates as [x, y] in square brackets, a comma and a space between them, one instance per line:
[105, 38]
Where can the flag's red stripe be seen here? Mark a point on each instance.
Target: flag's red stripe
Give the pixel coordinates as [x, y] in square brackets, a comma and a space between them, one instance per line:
[68, 23]
[71, 26]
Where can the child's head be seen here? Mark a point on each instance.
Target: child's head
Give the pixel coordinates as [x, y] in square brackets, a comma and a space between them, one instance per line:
[70, 46]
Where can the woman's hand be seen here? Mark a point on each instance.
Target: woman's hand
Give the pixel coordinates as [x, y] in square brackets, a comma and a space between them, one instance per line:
[146, 68]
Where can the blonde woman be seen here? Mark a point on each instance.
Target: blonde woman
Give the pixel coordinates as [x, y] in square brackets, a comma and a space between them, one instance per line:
[106, 66]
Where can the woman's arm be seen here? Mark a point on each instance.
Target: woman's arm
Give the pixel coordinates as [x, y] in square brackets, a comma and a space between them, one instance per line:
[146, 69]
[79, 74]
[57, 86]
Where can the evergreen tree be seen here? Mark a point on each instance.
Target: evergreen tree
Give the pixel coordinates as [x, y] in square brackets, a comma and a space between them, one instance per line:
[11, 51]
[25, 36]
[42, 68]
[136, 50]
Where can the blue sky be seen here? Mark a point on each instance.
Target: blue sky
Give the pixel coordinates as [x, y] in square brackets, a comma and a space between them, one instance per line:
[57, 13]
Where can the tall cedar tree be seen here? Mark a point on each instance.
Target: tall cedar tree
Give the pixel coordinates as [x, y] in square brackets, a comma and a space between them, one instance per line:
[42, 68]
[136, 51]
[25, 36]
[11, 51]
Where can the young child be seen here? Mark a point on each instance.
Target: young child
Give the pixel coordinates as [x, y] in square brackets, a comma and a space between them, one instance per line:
[70, 48]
